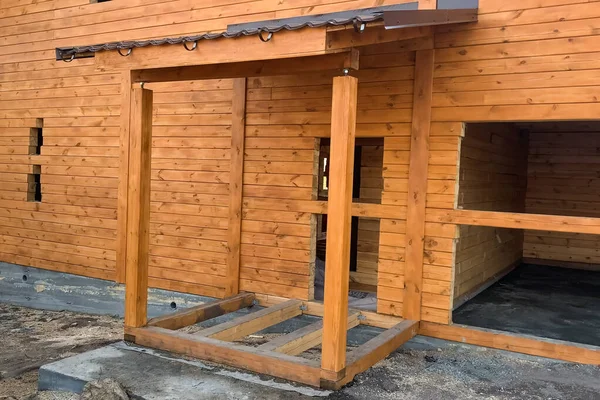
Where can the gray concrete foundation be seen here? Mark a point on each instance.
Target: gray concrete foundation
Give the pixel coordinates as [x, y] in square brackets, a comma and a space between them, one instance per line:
[151, 375]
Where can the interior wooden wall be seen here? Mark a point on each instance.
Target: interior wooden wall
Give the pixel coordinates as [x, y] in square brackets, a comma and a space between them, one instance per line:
[523, 61]
[493, 177]
[371, 188]
[564, 161]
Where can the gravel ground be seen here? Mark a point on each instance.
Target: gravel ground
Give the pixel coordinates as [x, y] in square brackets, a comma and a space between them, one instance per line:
[422, 369]
[31, 338]
[434, 369]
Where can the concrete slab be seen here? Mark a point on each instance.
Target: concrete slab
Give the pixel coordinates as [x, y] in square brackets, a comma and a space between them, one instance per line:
[154, 375]
[555, 303]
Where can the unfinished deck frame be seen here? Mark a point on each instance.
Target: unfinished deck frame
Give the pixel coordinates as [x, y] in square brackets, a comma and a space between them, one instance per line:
[278, 357]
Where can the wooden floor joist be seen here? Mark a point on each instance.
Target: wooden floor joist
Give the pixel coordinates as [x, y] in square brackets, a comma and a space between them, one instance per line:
[303, 339]
[253, 322]
[203, 312]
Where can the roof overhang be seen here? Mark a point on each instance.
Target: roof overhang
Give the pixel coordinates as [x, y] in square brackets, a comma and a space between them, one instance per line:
[278, 39]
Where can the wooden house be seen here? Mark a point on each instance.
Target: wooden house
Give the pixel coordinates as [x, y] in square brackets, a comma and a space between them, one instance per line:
[419, 150]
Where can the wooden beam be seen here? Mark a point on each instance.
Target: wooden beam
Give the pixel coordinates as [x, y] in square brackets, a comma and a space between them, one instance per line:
[253, 322]
[317, 309]
[303, 339]
[538, 222]
[343, 130]
[287, 66]
[202, 312]
[417, 185]
[236, 173]
[375, 350]
[374, 34]
[535, 346]
[284, 44]
[253, 359]
[123, 177]
[138, 208]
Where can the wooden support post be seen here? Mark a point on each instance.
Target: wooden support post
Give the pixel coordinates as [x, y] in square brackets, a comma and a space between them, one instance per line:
[123, 177]
[138, 208]
[417, 185]
[234, 228]
[339, 215]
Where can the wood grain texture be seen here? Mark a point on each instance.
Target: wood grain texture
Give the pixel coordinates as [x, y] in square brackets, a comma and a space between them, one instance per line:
[417, 185]
[202, 312]
[236, 171]
[343, 128]
[534, 346]
[138, 208]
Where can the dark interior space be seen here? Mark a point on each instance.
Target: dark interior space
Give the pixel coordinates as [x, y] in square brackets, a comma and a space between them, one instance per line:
[550, 302]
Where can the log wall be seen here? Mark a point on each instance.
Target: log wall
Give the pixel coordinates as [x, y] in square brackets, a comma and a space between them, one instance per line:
[563, 180]
[74, 228]
[523, 61]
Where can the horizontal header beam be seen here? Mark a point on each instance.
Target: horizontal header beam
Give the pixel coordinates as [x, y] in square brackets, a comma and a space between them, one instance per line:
[287, 66]
[537, 222]
[284, 44]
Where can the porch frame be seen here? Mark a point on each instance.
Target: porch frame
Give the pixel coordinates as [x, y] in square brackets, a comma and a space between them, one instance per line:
[337, 367]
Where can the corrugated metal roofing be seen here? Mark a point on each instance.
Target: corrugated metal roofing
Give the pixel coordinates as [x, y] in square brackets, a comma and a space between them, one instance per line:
[361, 16]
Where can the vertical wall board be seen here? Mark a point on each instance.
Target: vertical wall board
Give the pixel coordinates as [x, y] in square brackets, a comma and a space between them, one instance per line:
[234, 227]
[417, 185]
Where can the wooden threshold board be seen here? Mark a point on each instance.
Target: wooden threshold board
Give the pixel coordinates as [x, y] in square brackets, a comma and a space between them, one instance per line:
[535, 346]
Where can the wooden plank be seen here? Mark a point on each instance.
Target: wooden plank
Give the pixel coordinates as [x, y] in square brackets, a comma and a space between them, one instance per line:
[288, 66]
[285, 44]
[552, 223]
[138, 208]
[202, 312]
[375, 350]
[275, 364]
[417, 185]
[535, 346]
[123, 176]
[253, 322]
[303, 339]
[236, 171]
[345, 38]
[317, 309]
[343, 128]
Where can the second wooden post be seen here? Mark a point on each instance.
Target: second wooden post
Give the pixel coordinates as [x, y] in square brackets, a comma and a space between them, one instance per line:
[138, 208]
[339, 216]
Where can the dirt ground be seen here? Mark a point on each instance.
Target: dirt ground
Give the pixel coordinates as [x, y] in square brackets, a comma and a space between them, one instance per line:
[31, 338]
[422, 369]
